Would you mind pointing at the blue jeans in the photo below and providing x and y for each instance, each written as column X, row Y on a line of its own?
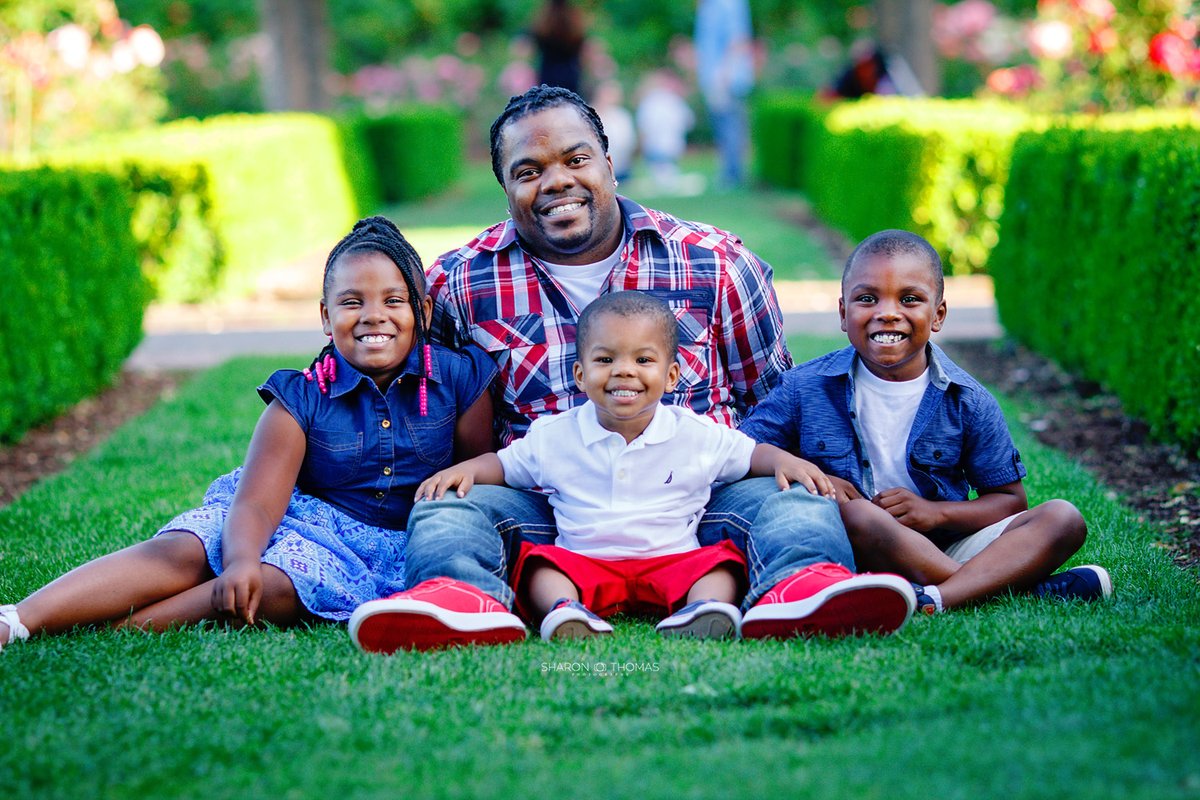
column 475, row 539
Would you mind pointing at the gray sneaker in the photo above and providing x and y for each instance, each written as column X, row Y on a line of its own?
column 703, row 619
column 571, row 619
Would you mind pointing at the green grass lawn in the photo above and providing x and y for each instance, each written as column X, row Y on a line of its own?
column 1016, row 699
column 761, row 217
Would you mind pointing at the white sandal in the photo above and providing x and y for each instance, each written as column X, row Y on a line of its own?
column 16, row 631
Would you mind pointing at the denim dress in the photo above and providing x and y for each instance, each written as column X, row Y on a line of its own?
column 341, row 540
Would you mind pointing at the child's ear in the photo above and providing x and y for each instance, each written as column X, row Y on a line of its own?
column 672, row 376
column 577, row 370
column 326, row 325
column 842, row 312
column 939, row 317
column 427, row 309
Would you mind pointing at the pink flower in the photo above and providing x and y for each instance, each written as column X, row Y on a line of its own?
column 1014, row 80
column 147, row 45
column 516, row 77
column 1171, row 53
column 1101, row 9
column 1102, row 40
column 447, row 68
column 1050, row 39
column 72, row 43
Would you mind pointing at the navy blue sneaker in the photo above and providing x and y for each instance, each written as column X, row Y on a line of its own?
column 571, row 619
column 925, row 604
column 1084, row 583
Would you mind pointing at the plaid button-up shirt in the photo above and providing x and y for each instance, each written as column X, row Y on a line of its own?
column 732, row 349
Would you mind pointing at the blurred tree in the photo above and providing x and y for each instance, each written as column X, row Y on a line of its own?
column 296, row 65
column 904, row 28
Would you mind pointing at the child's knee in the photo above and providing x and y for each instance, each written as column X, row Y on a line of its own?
column 177, row 548
column 858, row 517
column 1064, row 522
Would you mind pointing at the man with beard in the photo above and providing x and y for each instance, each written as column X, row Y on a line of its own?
column 517, row 291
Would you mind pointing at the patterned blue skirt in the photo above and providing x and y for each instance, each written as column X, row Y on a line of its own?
column 335, row 562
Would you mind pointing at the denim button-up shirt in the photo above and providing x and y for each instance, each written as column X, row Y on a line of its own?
column 959, row 439
column 368, row 450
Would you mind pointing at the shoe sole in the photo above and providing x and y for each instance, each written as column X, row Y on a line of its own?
column 576, row 629
column 858, row 605
column 385, row 626
column 707, row 625
column 1105, row 581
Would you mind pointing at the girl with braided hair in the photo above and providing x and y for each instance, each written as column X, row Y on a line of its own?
column 312, row 524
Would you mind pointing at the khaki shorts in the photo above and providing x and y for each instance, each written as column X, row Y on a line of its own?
column 968, row 547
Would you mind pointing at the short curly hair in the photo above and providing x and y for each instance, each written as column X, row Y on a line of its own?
column 540, row 98
column 892, row 243
column 627, row 304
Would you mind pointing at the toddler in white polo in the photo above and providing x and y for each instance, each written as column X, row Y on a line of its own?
column 628, row 479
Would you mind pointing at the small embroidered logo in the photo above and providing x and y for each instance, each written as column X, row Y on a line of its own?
column 670, row 475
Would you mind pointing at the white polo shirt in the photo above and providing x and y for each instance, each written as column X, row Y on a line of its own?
column 636, row 500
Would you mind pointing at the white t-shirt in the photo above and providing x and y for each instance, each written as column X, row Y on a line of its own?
column 582, row 283
column 616, row 500
column 886, row 410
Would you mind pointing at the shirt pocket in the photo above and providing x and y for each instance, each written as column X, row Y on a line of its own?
column 939, row 459
column 433, row 441
column 518, row 346
column 693, row 318
column 832, row 451
column 936, row 454
column 333, row 458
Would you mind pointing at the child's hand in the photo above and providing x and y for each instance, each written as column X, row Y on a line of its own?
column 435, row 486
column 238, row 590
column 909, row 509
column 846, row 491
column 796, row 470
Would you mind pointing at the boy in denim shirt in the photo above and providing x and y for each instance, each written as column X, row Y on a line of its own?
column 909, row 434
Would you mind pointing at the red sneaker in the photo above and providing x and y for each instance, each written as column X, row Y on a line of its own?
column 830, row 600
column 440, row 612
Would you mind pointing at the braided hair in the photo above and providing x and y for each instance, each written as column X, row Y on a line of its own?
column 379, row 235
column 540, row 98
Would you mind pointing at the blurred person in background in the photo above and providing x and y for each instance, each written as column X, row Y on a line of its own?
column 663, row 121
column 560, row 30
column 725, row 71
column 619, row 125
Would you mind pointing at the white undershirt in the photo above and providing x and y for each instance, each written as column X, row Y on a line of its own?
column 582, row 282
column 886, row 410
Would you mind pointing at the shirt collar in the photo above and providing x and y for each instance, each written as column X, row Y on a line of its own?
column 942, row 371
column 348, row 378
column 661, row 428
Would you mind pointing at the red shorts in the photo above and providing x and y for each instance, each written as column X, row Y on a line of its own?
column 654, row 586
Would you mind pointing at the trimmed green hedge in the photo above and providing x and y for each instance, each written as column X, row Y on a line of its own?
column 267, row 189
column 220, row 201
column 74, row 295
column 417, row 151
column 782, row 126
column 1099, row 255
column 936, row 167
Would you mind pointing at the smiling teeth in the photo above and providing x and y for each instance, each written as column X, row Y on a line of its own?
column 624, row 393
column 568, row 208
column 376, row 338
column 887, row 338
